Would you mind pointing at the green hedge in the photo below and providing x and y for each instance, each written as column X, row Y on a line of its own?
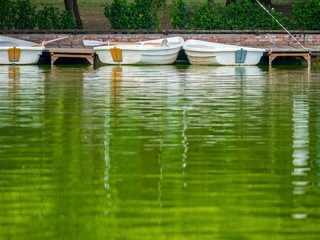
column 17, row 15
column 144, row 14
column 306, row 15
column 21, row 14
column 50, row 17
column 239, row 15
column 139, row 14
column 249, row 15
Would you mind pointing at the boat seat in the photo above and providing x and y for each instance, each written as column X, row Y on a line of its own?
column 14, row 54
column 241, row 56
column 116, row 54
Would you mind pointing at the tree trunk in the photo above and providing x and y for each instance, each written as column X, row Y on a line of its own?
column 72, row 5
column 210, row 3
column 264, row 2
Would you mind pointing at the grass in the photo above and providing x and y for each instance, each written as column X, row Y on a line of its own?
column 91, row 11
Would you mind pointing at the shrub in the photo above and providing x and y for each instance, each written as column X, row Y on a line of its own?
column 207, row 18
column 20, row 14
column 136, row 15
column 5, row 8
column 142, row 15
column 306, row 15
column 181, row 16
column 66, row 20
column 47, row 17
column 50, row 17
column 23, row 14
column 17, row 14
column 118, row 14
column 238, row 15
column 249, row 15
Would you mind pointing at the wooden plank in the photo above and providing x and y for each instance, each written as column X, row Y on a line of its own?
column 290, row 54
column 71, row 50
column 71, row 55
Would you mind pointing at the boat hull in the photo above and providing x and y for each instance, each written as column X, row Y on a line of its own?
column 140, row 57
column 143, row 54
column 28, row 55
column 222, row 58
column 205, row 53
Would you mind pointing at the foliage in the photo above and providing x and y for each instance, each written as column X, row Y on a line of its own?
column 160, row 3
column 136, row 15
column 4, row 17
column 24, row 14
column 181, row 15
column 249, row 15
column 21, row 14
column 144, row 14
column 18, row 14
column 117, row 13
column 66, row 20
column 50, row 17
column 207, row 18
column 238, row 15
column 306, row 15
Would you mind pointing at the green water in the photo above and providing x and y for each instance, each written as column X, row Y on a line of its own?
column 159, row 152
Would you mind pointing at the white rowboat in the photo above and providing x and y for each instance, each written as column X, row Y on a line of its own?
column 154, row 52
column 15, row 51
column 209, row 53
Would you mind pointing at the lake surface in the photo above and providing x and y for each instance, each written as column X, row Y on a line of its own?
column 159, row 152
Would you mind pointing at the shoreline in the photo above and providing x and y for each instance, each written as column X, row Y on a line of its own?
column 273, row 40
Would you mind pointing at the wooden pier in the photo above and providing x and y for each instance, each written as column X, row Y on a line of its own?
column 290, row 51
column 274, row 55
column 56, row 53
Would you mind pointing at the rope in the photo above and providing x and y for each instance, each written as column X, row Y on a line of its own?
column 280, row 24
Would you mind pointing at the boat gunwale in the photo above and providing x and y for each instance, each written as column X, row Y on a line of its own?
column 161, row 48
column 176, row 42
column 194, row 45
column 222, row 50
column 41, row 48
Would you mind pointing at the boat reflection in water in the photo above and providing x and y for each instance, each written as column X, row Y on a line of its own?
column 174, row 134
column 21, row 81
column 159, row 152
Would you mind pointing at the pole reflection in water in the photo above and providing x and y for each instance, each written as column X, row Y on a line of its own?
column 300, row 147
column 113, row 86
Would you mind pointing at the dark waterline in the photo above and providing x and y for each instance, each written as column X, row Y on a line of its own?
column 159, row 152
